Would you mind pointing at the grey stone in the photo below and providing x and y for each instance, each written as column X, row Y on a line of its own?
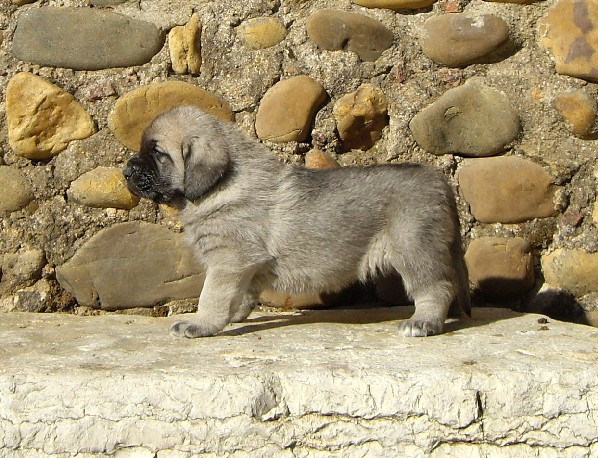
column 336, row 383
column 21, row 269
column 133, row 264
column 470, row 120
column 16, row 190
column 84, row 38
column 340, row 30
column 36, row 298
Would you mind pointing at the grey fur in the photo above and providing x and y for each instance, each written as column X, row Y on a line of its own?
column 257, row 223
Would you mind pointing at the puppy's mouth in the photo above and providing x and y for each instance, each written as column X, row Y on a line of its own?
column 144, row 183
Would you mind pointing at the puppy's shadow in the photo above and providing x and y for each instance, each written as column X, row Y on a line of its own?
column 362, row 314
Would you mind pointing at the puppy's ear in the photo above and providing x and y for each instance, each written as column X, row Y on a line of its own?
column 206, row 162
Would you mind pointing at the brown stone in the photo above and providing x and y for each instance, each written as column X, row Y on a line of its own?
column 102, row 187
column 568, row 31
column 136, row 109
column 43, row 118
column 291, row 301
column 316, row 159
column 574, row 270
column 500, row 267
column 395, row 4
column 261, row 33
column 287, row 110
column 184, row 43
column 457, row 40
column 521, row 2
column 579, row 111
column 335, row 30
column 360, row 117
column 506, row 189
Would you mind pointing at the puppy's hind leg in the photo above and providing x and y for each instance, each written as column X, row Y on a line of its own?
column 429, row 282
column 222, row 291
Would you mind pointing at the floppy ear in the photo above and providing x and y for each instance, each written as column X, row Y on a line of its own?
column 206, row 162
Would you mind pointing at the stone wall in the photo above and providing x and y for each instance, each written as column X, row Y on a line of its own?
column 501, row 96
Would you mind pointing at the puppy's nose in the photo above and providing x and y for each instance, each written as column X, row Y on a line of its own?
column 128, row 171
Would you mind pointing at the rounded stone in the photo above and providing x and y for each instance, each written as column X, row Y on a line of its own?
column 102, row 187
column 579, row 111
column 134, row 264
column 506, row 189
column 500, row 267
column 86, row 38
column 184, row 43
column 136, row 109
column 261, row 33
column 335, row 30
column 457, row 40
column 43, row 118
column 568, row 31
column 395, row 4
column 574, row 270
column 316, row 159
column 360, row 117
column 291, row 301
column 470, row 120
column 287, row 110
column 16, row 190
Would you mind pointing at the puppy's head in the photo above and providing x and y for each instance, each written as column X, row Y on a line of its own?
column 184, row 154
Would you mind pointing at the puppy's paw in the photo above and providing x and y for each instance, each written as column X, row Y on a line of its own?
column 420, row 328
column 192, row 330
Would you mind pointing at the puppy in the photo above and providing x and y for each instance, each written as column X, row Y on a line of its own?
column 256, row 223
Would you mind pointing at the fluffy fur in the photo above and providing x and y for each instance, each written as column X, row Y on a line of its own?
column 256, row 223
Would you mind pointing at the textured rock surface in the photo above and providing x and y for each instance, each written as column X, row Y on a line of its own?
column 288, row 108
column 43, row 118
column 500, row 267
column 184, row 43
column 470, row 120
column 102, row 187
column 457, row 40
column 335, row 30
column 129, row 265
column 568, row 31
column 260, row 33
column 360, row 117
column 16, row 190
column 87, row 39
column 21, row 269
column 134, row 111
column 325, row 383
column 506, row 189
column 572, row 270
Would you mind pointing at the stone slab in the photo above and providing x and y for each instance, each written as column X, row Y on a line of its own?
column 321, row 383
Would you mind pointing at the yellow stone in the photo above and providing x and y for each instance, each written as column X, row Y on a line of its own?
column 102, row 187
column 184, row 43
column 260, row 33
column 568, row 31
column 578, row 110
column 136, row 109
column 43, row 118
column 360, row 116
column 574, row 270
column 395, row 4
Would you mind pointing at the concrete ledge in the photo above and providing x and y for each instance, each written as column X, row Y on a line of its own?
column 323, row 384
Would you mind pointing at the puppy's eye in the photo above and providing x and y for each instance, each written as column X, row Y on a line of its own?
column 160, row 155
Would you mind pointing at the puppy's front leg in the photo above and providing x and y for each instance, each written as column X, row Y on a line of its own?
column 221, row 293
